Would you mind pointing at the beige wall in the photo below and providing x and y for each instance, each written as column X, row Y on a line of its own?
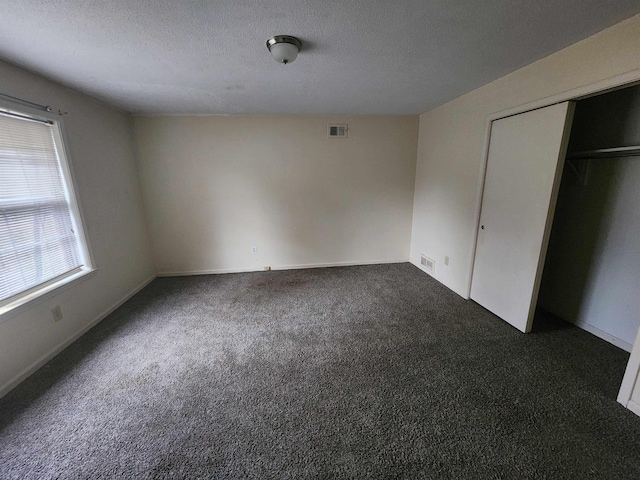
column 451, row 142
column 216, row 186
column 100, row 148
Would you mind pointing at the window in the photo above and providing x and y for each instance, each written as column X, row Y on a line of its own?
column 42, row 244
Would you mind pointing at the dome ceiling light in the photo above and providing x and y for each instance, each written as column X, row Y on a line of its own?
column 284, row 48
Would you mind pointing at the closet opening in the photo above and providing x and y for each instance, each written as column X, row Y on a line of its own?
column 591, row 275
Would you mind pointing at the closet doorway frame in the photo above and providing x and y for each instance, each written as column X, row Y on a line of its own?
column 617, row 82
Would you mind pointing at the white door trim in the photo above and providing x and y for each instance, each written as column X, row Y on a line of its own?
column 630, row 378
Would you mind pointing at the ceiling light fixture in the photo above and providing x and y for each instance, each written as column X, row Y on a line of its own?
column 284, row 48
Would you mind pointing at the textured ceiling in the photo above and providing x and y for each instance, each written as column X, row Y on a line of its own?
column 358, row 57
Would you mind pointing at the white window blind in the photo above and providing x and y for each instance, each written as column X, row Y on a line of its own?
column 37, row 238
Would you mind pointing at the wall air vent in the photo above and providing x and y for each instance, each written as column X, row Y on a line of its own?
column 428, row 263
column 337, row 131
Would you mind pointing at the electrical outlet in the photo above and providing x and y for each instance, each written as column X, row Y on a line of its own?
column 254, row 250
column 446, row 260
column 56, row 313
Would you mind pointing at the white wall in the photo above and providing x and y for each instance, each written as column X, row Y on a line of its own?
column 592, row 273
column 451, row 142
column 101, row 151
column 215, row 186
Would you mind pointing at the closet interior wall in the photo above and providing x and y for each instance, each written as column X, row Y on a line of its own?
column 592, row 270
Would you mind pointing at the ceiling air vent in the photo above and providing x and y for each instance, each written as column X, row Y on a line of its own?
column 337, row 131
column 428, row 263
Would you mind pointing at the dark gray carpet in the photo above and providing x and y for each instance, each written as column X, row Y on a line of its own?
column 358, row 372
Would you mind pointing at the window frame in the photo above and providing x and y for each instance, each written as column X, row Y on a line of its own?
column 16, row 303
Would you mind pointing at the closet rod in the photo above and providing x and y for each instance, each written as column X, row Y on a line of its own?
column 607, row 152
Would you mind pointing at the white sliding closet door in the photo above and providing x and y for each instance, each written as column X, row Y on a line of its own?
column 524, row 167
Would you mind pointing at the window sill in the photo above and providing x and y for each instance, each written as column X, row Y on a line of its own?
column 23, row 303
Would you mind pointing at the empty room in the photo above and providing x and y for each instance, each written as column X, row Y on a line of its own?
column 319, row 239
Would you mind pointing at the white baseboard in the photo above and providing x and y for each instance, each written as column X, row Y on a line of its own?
column 219, row 271
column 587, row 327
column 450, row 287
column 634, row 407
column 278, row 267
column 607, row 337
column 15, row 381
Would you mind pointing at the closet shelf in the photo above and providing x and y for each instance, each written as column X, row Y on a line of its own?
column 607, row 152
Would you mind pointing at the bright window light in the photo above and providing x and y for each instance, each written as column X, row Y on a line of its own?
column 41, row 238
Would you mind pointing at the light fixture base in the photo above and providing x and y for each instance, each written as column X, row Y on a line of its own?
column 284, row 48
